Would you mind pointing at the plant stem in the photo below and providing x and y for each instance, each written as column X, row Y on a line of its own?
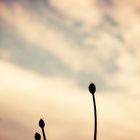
column 95, row 118
column 43, row 134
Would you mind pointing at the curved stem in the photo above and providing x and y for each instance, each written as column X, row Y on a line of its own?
column 95, row 118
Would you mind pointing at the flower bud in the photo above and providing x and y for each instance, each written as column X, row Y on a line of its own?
column 37, row 136
column 92, row 88
column 41, row 123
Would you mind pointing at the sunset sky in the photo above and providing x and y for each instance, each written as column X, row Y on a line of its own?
column 51, row 50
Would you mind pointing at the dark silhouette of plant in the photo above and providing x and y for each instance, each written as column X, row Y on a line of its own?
column 37, row 136
column 42, row 125
column 92, row 90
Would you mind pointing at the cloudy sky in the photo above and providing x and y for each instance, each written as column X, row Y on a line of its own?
column 51, row 50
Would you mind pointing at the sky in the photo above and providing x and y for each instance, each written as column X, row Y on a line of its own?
column 51, row 50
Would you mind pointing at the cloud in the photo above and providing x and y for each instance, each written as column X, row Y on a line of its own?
column 27, row 94
column 34, row 96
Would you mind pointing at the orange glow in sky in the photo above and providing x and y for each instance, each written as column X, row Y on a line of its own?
column 50, row 51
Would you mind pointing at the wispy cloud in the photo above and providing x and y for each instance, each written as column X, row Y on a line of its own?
column 45, row 54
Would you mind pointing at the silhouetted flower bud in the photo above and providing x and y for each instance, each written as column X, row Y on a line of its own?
column 37, row 136
column 41, row 123
column 92, row 88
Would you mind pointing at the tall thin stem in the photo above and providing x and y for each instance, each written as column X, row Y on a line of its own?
column 92, row 90
column 95, row 118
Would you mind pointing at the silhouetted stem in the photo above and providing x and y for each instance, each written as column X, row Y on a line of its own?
column 95, row 118
column 43, row 132
column 42, row 125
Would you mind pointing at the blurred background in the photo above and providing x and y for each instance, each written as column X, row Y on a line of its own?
column 51, row 50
